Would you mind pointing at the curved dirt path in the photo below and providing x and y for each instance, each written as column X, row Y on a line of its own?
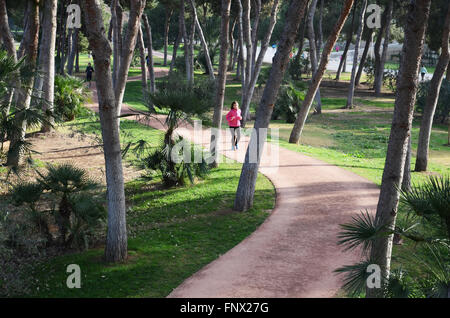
column 294, row 252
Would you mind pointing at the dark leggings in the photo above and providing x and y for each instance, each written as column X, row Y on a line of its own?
column 235, row 135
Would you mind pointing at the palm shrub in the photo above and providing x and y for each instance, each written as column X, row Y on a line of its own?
column 298, row 66
column 181, row 101
column 176, row 165
column 289, row 101
column 425, row 223
column 70, row 95
column 443, row 106
column 429, row 201
column 264, row 77
column 180, row 64
column 64, row 197
column 15, row 76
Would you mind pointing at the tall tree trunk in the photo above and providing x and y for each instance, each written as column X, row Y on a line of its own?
column 241, row 63
column 377, row 46
column 351, row 90
column 73, row 52
column 134, row 22
column 30, row 44
column 151, row 69
column 47, row 53
column 221, row 80
column 115, row 40
column 110, row 28
column 187, row 44
column 109, row 102
column 28, row 13
column 447, row 76
column 169, row 13
column 406, row 181
column 69, row 48
column 141, row 46
column 244, row 16
column 432, row 99
column 59, row 30
column 5, row 32
column 378, row 83
column 315, row 83
column 246, row 188
column 176, row 45
column 202, row 39
column 301, row 39
column 320, row 38
column 8, row 41
column 191, row 50
column 62, row 63
column 416, row 24
column 235, row 55
column 238, row 60
column 232, row 46
column 117, row 17
column 254, row 33
column 313, row 50
column 246, row 28
column 364, row 56
column 347, row 45
column 77, row 59
column 251, row 83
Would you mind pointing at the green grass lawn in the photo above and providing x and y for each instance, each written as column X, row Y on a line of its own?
column 395, row 66
column 134, row 71
column 172, row 232
column 354, row 140
column 345, row 76
column 339, row 103
column 357, row 141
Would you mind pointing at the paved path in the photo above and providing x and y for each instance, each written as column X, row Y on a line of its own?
column 294, row 252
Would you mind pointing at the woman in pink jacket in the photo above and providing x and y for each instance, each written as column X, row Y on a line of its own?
column 234, row 121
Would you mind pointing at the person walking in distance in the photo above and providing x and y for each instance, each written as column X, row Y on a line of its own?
column 423, row 71
column 89, row 71
column 234, row 122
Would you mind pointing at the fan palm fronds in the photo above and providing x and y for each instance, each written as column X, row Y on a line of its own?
column 26, row 193
column 432, row 198
column 70, row 95
column 361, row 231
column 438, row 268
column 355, row 279
column 66, row 178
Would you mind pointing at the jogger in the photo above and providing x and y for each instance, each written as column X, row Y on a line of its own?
column 234, row 122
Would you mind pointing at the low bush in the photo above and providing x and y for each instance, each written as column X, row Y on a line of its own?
column 70, row 96
column 389, row 76
column 289, row 102
column 297, row 66
column 63, row 208
column 176, row 163
column 443, row 105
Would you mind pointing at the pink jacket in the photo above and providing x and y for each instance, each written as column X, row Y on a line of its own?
column 234, row 118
